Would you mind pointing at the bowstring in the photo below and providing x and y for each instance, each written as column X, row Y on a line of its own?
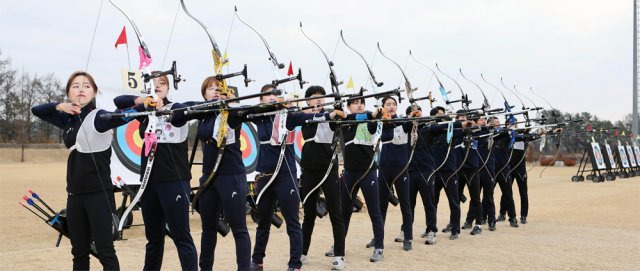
column 114, row 223
column 173, row 159
column 173, row 26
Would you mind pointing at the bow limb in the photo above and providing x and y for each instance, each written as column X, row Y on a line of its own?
column 135, row 29
column 150, row 138
column 513, row 92
column 272, row 56
column 218, row 62
column 464, row 100
column 281, row 117
column 337, row 141
column 443, row 92
column 557, row 138
column 332, row 75
column 508, row 108
column 407, row 85
column 485, row 103
column 214, row 44
column 373, row 77
column 553, row 109
column 525, row 115
column 149, row 88
column 218, row 59
column 526, row 97
column 539, row 96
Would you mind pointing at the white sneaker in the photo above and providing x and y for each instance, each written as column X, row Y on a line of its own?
column 377, row 255
column 400, row 237
column 329, row 252
column 304, row 259
column 431, row 238
column 338, row 263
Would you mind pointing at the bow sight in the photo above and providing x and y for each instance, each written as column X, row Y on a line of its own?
column 277, row 82
column 173, row 72
column 221, row 77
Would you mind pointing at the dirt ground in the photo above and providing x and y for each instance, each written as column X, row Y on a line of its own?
column 572, row 226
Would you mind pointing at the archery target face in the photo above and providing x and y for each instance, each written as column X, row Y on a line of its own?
column 127, row 145
column 632, row 158
column 612, row 162
column 249, row 145
column 636, row 151
column 298, row 143
column 623, row 156
column 597, row 155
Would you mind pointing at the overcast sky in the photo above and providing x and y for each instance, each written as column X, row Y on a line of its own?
column 575, row 53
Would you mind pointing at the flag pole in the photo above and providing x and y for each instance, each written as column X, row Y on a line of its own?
column 128, row 57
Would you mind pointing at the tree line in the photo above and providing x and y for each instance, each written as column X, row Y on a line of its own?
column 20, row 90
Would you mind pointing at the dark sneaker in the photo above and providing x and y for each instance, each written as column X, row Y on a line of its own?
column 513, row 222
column 484, row 221
column 448, row 228
column 406, row 245
column 453, row 236
column 523, row 220
column 492, row 226
column 467, row 225
column 476, row 230
column 370, row 244
column 501, row 218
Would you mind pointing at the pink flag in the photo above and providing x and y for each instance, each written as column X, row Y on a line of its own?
column 144, row 60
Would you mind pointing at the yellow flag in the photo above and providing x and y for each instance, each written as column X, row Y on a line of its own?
column 350, row 84
column 638, row 137
column 622, row 133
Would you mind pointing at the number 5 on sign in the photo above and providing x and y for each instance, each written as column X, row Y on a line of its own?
column 132, row 80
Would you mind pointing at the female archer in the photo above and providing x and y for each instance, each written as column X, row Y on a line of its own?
column 277, row 181
column 165, row 202
column 228, row 183
column 90, row 201
column 360, row 172
column 394, row 156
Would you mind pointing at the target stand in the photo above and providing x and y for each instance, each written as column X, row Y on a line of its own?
column 598, row 172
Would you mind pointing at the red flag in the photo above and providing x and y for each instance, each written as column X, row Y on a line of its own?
column 290, row 71
column 615, row 132
column 589, row 129
column 631, row 136
column 122, row 39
